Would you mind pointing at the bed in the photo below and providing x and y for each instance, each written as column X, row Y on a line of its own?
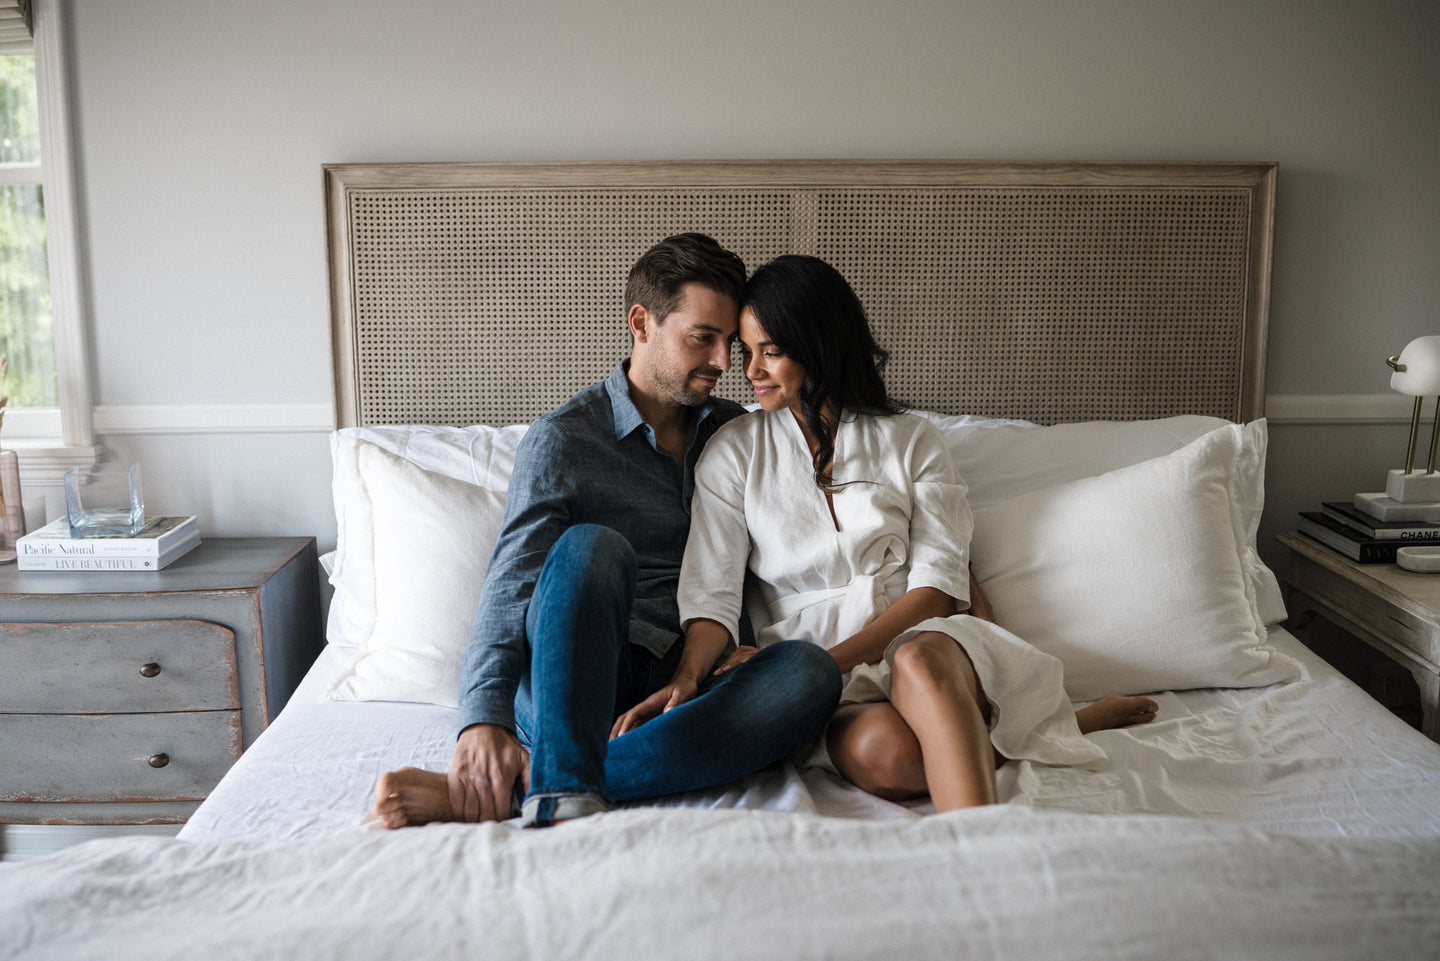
column 1088, row 338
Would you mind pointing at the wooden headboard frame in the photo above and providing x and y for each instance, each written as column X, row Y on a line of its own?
column 488, row 293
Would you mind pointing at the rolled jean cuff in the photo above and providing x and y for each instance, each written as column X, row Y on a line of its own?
column 542, row 810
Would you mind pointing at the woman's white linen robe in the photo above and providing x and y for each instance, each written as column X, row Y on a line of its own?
column 901, row 521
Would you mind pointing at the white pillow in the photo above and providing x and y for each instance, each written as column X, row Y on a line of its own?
column 483, row 456
column 1136, row 579
column 430, row 539
column 1003, row 459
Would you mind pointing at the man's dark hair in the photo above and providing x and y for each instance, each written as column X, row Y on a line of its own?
column 657, row 277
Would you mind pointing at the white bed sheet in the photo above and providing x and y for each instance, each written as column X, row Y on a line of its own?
column 1314, row 757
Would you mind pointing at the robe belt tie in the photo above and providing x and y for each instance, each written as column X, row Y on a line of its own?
column 862, row 599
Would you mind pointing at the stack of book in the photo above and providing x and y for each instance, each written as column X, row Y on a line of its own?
column 1362, row 537
column 159, row 542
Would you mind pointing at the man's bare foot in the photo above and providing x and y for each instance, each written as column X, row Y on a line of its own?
column 1114, row 711
column 412, row 796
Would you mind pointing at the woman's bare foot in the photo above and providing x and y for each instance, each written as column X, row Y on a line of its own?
column 1114, row 711
column 412, row 796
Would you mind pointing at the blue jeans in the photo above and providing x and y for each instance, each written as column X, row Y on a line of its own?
column 584, row 673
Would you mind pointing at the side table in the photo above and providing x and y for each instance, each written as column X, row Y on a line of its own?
column 1394, row 611
column 128, row 695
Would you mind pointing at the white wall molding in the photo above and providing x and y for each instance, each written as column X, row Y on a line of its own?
column 214, row 419
column 1341, row 408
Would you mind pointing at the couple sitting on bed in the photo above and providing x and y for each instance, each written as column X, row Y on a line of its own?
column 596, row 671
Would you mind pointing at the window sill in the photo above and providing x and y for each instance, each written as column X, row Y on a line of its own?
column 44, row 461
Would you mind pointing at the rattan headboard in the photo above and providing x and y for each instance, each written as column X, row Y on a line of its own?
column 489, row 293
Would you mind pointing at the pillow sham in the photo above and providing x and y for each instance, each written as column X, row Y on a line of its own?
column 482, row 456
column 429, row 541
column 1003, row 459
column 1136, row 579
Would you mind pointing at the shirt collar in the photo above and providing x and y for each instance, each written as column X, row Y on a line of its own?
column 627, row 415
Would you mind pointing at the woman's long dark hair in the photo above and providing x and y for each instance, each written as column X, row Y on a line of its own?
column 811, row 313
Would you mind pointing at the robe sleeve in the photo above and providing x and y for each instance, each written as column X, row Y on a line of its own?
column 940, row 519
column 712, row 574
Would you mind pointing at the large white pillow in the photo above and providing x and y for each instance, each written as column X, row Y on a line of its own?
column 429, row 539
column 482, row 456
column 1003, row 459
column 1136, row 579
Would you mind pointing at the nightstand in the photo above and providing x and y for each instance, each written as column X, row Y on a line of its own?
column 127, row 696
column 1394, row 611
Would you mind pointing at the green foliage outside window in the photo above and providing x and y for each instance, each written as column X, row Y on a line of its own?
column 26, row 323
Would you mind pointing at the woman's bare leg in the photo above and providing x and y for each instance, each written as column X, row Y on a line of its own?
column 934, row 688
column 412, row 796
column 873, row 748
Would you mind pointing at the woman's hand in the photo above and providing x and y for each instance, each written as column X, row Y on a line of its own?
column 704, row 640
column 672, row 695
column 738, row 657
column 867, row 645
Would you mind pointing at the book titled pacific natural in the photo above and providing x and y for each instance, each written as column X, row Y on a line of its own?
column 160, row 542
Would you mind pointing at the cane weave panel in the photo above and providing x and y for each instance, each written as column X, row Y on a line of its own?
column 493, row 307
column 1053, row 303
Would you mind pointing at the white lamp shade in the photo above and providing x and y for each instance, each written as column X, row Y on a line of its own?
column 1421, row 374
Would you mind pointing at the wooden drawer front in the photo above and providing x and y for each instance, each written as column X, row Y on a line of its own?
column 93, row 757
column 124, row 666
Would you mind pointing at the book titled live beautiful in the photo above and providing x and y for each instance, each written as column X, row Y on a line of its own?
column 160, row 542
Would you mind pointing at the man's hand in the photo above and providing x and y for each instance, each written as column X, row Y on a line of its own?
column 483, row 769
column 672, row 695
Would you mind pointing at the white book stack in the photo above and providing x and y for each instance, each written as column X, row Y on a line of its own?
column 160, row 542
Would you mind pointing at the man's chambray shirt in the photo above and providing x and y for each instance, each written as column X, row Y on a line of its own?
column 593, row 460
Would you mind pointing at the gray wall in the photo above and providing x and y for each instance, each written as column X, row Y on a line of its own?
column 201, row 128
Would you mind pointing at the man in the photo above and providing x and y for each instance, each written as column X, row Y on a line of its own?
column 577, row 689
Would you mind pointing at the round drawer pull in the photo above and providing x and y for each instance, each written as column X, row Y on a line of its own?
column 150, row 670
column 159, row 760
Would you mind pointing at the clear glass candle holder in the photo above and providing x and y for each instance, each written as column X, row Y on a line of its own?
column 104, row 502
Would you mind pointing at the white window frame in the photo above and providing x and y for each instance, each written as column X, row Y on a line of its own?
column 51, row 440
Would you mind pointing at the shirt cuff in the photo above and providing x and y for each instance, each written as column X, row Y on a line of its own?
column 482, row 707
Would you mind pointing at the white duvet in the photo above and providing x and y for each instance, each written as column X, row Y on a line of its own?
column 1007, row 882
column 1295, row 821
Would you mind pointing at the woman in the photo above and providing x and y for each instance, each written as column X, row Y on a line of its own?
column 852, row 520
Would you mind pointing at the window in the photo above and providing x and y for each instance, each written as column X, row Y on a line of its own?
column 49, row 417
column 27, row 334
